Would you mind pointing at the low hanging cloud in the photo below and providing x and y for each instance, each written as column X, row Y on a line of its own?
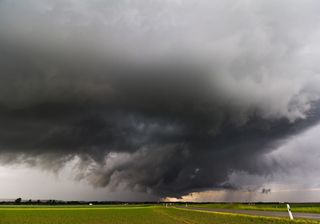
column 166, row 97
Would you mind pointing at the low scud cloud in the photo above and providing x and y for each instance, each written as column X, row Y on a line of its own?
column 164, row 97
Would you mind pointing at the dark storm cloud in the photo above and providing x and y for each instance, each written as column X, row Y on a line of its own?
column 162, row 97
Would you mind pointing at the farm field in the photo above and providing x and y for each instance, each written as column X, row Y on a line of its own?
column 295, row 207
column 122, row 215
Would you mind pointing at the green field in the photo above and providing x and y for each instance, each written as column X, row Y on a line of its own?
column 295, row 207
column 125, row 214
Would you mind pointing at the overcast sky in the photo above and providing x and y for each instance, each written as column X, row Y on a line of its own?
column 149, row 100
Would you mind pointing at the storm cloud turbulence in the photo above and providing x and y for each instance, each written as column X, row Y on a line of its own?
column 165, row 97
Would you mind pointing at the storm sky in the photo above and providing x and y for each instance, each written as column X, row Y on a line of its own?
column 146, row 100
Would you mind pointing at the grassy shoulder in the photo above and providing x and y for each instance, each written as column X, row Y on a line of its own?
column 295, row 207
column 205, row 217
column 141, row 215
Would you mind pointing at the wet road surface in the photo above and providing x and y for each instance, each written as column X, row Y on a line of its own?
column 256, row 213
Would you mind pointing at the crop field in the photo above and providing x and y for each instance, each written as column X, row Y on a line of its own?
column 125, row 214
column 295, row 207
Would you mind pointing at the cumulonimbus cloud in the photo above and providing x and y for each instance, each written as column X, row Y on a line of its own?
column 167, row 97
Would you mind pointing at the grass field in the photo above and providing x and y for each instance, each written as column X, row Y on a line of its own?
column 123, row 214
column 295, row 207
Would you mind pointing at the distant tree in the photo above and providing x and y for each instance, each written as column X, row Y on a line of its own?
column 18, row 201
